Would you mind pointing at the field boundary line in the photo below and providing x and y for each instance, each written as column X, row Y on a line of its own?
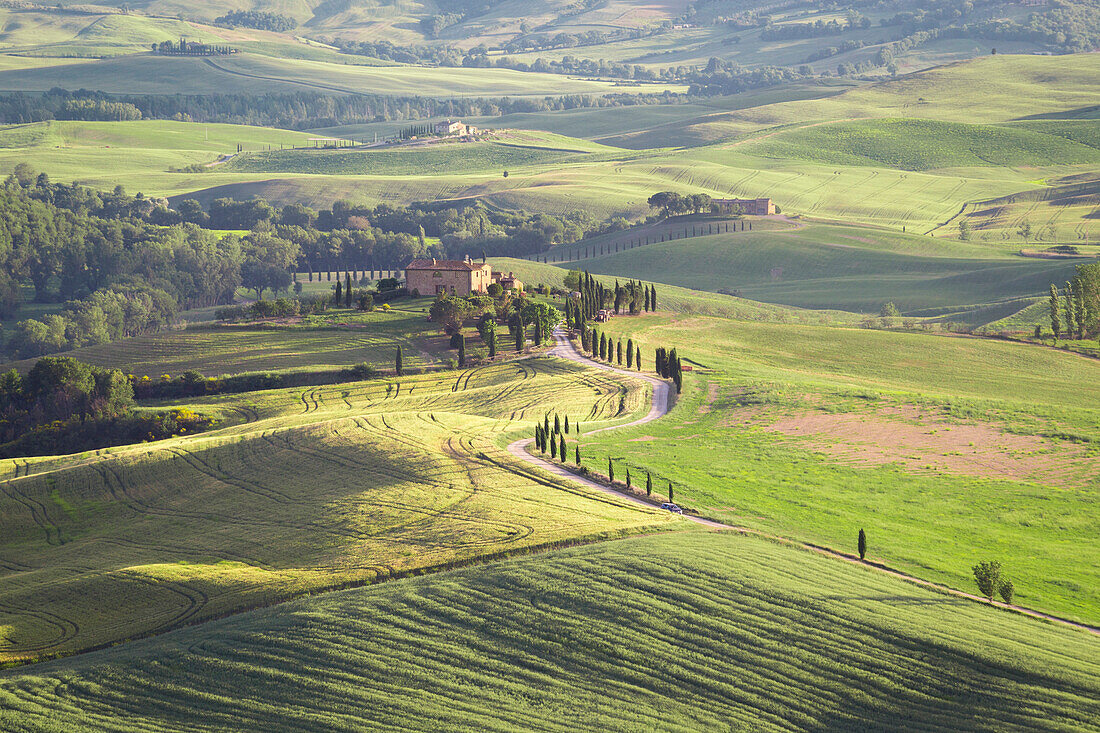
column 659, row 408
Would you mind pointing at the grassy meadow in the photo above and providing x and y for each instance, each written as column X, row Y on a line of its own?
column 682, row 631
column 839, row 267
column 947, row 450
column 294, row 492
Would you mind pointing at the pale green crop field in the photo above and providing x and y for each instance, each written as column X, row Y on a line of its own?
column 691, row 631
column 838, row 267
column 946, row 450
column 295, row 492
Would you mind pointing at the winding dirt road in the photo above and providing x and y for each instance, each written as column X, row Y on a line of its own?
column 659, row 408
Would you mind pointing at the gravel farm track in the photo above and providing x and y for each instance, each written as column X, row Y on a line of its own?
column 659, row 408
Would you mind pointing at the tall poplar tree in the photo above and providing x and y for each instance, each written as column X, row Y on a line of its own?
column 1055, row 315
column 561, row 450
column 399, row 367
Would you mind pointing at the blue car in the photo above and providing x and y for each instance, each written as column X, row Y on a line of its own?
column 672, row 508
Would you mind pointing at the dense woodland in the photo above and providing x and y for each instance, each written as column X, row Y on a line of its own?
column 124, row 265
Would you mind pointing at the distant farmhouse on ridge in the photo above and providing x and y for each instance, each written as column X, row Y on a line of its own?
column 454, row 127
column 455, row 277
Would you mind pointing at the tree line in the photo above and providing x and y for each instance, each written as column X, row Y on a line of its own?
column 308, row 110
column 63, row 406
column 258, row 19
column 1074, row 311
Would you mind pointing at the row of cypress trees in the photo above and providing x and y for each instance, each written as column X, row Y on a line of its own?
column 634, row 295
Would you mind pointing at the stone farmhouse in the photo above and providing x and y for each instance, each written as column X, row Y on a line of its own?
column 455, row 277
column 454, row 127
column 752, row 207
column 447, row 277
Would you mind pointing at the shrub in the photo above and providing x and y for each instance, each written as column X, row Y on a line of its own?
column 987, row 574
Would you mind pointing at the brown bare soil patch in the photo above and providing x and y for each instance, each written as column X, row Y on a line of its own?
column 712, row 395
column 642, row 439
column 919, row 441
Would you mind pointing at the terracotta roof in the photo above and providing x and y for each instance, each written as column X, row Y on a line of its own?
column 444, row 265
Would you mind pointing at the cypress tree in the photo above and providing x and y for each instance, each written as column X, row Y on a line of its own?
column 461, row 350
column 1079, row 306
column 538, row 332
column 610, row 470
column 538, row 436
column 339, row 293
column 653, row 297
column 557, row 424
column 520, row 338
column 638, row 358
column 603, row 347
column 553, row 447
column 619, row 352
column 399, row 368
column 561, row 450
column 669, row 492
column 629, row 353
column 628, row 477
column 491, row 335
column 862, row 543
column 546, row 426
column 1071, row 317
column 648, row 484
column 1055, row 317
column 577, row 455
column 347, row 292
column 566, row 424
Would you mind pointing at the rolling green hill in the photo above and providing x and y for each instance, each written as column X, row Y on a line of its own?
column 294, row 492
column 838, row 267
column 682, row 632
column 947, row 450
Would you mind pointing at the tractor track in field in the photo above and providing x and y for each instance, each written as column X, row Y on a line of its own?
column 659, row 408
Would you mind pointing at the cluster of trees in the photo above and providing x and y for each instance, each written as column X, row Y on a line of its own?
column 553, row 440
column 634, row 295
column 63, row 405
column 991, row 581
column 308, row 110
column 817, row 29
column 667, row 364
column 670, row 203
column 520, row 313
column 1075, row 312
column 98, row 110
column 190, row 48
column 606, row 349
column 258, row 19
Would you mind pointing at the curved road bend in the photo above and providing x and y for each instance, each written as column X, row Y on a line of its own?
column 566, row 350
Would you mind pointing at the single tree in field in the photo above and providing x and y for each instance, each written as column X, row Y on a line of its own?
column 648, row 484
column 461, row 350
column 862, row 544
column 988, row 576
column 1006, row 591
column 561, row 449
column 628, row 477
column 1055, row 313
column 670, row 492
column 610, row 470
column 1024, row 230
column 577, row 457
column 399, row 367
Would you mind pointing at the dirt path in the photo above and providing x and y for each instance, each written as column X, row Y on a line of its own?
column 659, row 408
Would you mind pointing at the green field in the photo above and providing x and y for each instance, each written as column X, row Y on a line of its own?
column 839, row 267
column 946, row 450
column 680, row 632
column 410, row 161
column 918, row 145
column 294, row 492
